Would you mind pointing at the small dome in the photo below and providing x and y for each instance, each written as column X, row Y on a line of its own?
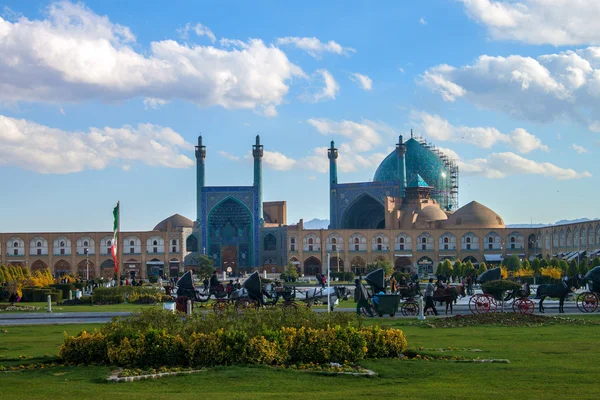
column 475, row 215
column 173, row 222
column 431, row 213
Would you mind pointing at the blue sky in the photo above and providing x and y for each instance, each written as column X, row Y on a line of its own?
column 103, row 100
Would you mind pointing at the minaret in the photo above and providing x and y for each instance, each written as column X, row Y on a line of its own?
column 401, row 152
column 200, row 156
column 332, row 154
column 257, row 153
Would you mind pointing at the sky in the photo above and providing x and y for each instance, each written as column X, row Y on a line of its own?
column 103, row 101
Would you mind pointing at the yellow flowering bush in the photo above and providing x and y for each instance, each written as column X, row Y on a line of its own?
column 552, row 272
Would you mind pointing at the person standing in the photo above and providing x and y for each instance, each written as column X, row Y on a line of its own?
column 429, row 297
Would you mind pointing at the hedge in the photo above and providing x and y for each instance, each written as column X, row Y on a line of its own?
column 155, row 337
column 342, row 276
column 156, row 348
column 65, row 288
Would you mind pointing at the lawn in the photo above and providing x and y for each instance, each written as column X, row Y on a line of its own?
column 125, row 307
column 544, row 363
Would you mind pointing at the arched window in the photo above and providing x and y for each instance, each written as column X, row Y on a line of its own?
column 468, row 240
column 62, row 244
column 39, row 244
column 490, row 240
column 191, row 243
column 356, row 240
column 293, row 240
column 174, row 242
column 132, row 243
column 270, row 243
column 15, row 244
column 310, row 241
column 86, row 243
column 109, row 243
column 446, row 240
column 513, row 239
column 423, row 240
column 154, row 243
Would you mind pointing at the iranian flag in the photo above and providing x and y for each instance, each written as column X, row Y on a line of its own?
column 115, row 241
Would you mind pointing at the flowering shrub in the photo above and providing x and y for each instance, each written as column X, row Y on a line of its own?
column 140, row 344
column 552, row 272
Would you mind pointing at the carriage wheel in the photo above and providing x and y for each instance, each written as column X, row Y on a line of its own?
column 482, row 304
column 523, row 306
column 409, row 309
column 368, row 311
column 587, row 302
column 289, row 306
column 220, row 307
column 181, row 304
column 245, row 304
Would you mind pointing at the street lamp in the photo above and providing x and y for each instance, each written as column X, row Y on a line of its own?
column 87, row 265
column 328, row 283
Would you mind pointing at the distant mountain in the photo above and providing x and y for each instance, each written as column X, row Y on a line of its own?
column 316, row 223
column 526, row 225
column 571, row 221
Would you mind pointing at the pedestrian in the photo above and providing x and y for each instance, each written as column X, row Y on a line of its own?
column 237, row 284
column 323, row 280
column 361, row 298
column 429, row 297
column 393, row 284
column 229, row 288
column 160, row 281
column 214, row 280
column 205, row 283
column 470, row 285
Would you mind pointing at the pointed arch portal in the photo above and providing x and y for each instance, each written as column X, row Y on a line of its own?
column 230, row 235
column 364, row 213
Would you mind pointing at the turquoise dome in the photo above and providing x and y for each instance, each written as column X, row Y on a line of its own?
column 419, row 161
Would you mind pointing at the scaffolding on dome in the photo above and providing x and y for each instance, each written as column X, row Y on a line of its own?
column 449, row 193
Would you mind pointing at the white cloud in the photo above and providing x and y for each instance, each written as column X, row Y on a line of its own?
column 363, row 137
column 555, row 22
column 401, row 69
column 278, row 161
column 422, row 21
column 312, row 178
column 440, row 129
column 153, row 103
column 579, row 149
column 363, row 81
column 323, row 87
column 75, row 54
column 229, row 156
column 199, row 30
column 502, row 165
column 348, row 160
column 314, row 46
column 39, row 148
column 552, row 86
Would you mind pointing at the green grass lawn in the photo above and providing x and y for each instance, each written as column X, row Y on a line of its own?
column 545, row 363
column 85, row 308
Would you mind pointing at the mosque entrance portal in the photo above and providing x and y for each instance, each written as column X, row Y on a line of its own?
column 364, row 213
column 229, row 258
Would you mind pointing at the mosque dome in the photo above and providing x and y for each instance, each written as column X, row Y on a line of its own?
column 473, row 216
column 173, row 222
column 420, row 160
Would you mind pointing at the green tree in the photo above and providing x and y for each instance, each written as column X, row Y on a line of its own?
column 205, row 266
column 526, row 265
column 439, row 271
column 290, row 274
column 583, row 267
column 573, row 268
column 513, row 263
column 554, row 262
column 596, row 262
column 447, row 268
column 388, row 267
column 544, row 263
column 563, row 265
column 458, row 266
column 468, row 269
column 536, row 265
column 482, row 267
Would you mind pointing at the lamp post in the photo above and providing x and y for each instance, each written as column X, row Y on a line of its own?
column 328, row 283
column 87, row 265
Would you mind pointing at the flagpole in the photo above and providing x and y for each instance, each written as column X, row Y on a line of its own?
column 119, row 244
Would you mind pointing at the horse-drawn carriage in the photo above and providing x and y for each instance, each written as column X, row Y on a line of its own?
column 254, row 296
column 492, row 298
column 375, row 300
column 185, row 290
column 588, row 301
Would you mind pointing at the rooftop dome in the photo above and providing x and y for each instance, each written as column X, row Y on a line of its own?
column 431, row 213
column 173, row 222
column 475, row 215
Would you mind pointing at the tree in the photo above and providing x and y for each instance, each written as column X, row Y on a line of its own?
column 562, row 264
column 439, row 271
column 583, row 267
column 513, row 263
column 482, row 268
column 573, row 268
column 468, row 269
column 536, row 265
column 544, row 264
column 205, row 266
column 447, row 268
column 596, row 262
column 290, row 274
column 388, row 267
column 526, row 265
column 458, row 266
column 554, row 262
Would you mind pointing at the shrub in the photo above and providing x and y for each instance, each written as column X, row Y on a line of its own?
column 27, row 293
column 65, row 288
column 382, row 343
column 153, row 278
column 108, row 296
column 342, row 276
column 499, row 286
column 86, row 348
column 76, row 302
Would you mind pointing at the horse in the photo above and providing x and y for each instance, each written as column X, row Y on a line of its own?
column 449, row 295
column 560, row 290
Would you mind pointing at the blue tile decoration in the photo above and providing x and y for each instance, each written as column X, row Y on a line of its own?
column 346, row 193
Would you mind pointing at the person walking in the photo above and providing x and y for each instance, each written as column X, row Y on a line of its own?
column 429, row 297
